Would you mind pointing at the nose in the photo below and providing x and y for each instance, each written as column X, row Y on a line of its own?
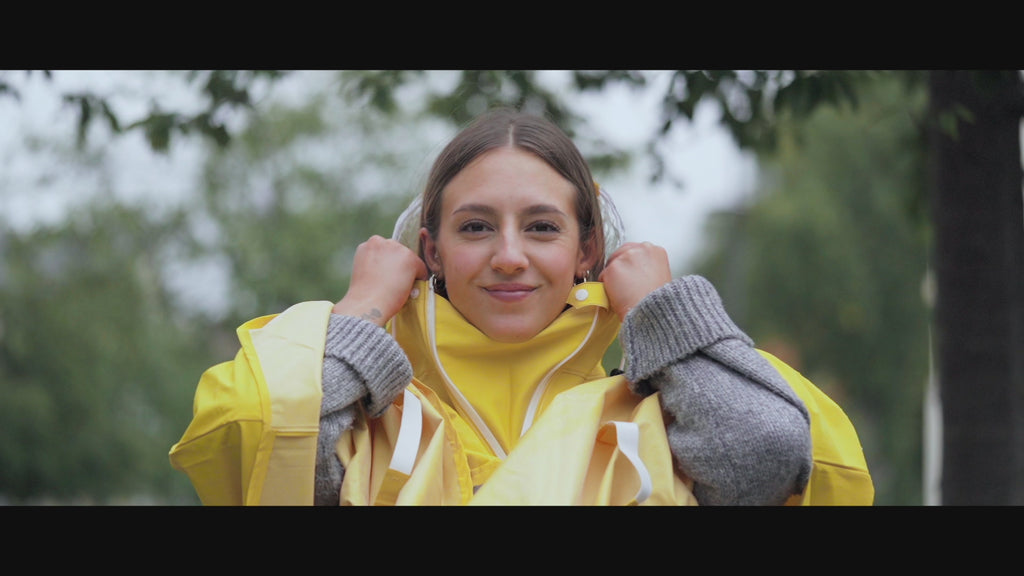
column 509, row 254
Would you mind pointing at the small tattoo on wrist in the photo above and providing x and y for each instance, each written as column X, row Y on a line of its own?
column 372, row 315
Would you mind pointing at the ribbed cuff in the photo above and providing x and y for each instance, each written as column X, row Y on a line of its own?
column 672, row 323
column 329, row 471
column 361, row 347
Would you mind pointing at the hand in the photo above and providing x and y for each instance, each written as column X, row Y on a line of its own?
column 383, row 274
column 633, row 271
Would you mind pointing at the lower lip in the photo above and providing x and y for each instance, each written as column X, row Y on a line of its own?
column 510, row 295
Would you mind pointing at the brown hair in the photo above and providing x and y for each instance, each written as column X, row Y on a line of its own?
column 534, row 134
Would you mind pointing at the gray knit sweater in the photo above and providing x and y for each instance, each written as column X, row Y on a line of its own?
column 735, row 426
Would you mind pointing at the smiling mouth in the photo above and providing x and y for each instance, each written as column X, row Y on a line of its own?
column 509, row 292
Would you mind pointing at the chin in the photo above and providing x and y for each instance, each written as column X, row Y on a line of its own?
column 511, row 335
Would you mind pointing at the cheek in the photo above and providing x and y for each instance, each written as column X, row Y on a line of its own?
column 560, row 264
column 461, row 264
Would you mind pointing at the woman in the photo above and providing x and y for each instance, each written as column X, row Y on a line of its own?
column 491, row 361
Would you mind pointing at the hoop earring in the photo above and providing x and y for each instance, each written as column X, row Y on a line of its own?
column 437, row 285
column 585, row 278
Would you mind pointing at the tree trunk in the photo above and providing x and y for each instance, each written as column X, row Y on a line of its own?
column 978, row 216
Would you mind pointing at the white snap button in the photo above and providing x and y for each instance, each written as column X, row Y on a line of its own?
column 415, row 292
column 582, row 294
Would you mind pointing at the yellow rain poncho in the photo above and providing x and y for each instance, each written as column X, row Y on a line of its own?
column 481, row 423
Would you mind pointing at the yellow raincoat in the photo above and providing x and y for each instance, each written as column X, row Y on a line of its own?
column 546, row 427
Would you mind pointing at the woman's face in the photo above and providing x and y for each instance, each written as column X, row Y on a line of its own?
column 508, row 244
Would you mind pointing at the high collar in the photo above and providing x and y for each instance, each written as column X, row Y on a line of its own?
column 501, row 387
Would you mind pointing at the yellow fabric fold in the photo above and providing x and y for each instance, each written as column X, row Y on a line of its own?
column 252, row 440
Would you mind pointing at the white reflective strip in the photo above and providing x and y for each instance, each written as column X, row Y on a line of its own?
column 408, row 444
column 531, row 410
column 627, row 435
column 467, row 408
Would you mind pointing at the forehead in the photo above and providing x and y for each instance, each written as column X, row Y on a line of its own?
column 509, row 177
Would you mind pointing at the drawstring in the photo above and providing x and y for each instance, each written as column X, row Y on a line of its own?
column 467, row 408
column 531, row 411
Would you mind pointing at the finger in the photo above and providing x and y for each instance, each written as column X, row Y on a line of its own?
column 422, row 273
column 620, row 251
column 625, row 250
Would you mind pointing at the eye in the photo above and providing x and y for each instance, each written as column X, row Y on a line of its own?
column 474, row 227
column 544, row 227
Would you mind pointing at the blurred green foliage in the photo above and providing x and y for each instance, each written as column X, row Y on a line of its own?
column 824, row 266
column 288, row 219
column 99, row 357
column 92, row 360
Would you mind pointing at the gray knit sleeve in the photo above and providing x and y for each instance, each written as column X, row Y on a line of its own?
column 736, row 427
column 362, row 362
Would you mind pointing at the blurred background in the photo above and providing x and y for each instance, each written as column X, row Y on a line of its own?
column 864, row 226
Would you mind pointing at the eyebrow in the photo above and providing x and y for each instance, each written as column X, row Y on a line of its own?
column 529, row 211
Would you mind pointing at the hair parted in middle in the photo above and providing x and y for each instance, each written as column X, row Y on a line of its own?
column 535, row 134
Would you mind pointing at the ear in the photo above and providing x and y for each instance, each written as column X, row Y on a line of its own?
column 430, row 252
column 588, row 257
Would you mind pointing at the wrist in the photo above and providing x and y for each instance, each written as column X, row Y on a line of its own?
column 365, row 310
